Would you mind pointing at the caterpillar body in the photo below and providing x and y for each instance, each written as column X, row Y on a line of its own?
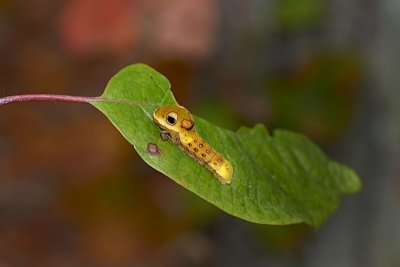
column 178, row 123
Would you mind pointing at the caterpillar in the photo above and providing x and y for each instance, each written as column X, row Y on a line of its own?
column 178, row 124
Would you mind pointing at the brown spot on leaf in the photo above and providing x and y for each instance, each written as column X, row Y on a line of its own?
column 153, row 150
column 164, row 136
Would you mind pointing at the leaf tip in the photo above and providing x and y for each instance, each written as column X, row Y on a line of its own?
column 348, row 181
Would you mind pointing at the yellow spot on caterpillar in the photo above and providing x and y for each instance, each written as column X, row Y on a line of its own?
column 187, row 124
column 179, row 124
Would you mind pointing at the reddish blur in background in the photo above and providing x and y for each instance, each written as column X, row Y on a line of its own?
column 73, row 192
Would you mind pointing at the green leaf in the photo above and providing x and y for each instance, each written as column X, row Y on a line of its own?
column 278, row 179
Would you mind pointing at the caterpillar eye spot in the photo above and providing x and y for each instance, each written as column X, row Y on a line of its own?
column 203, row 155
column 201, row 145
column 190, row 144
column 196, row 150
column 195, row 141
column 172, row 118
column 208, row 151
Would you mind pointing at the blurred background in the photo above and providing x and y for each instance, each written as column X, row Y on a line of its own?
column 73, row 192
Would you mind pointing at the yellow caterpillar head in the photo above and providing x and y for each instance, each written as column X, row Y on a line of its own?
column 174, row 118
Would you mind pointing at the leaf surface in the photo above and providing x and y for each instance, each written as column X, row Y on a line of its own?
column 279, row 178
